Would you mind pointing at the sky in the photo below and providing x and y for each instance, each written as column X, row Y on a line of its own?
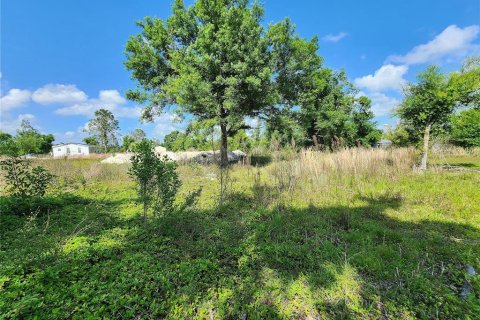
column 62, row 60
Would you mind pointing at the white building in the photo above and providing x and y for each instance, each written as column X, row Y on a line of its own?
column 72, row 149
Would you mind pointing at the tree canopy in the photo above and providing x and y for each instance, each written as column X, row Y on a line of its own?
column 104, row 128
column 429, row 103
column 28, row 140
column 216, row 61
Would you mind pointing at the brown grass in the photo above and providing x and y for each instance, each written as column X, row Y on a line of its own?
column 355, row 161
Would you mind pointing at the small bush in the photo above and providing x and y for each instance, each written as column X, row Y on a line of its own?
column 157, row 179
column 23, row 180
column 167, row 184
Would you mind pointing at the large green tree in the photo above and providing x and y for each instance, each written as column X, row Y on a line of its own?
column 465, row 128
column 431, row 101
column 210, row 59
column 216, row 61
column 366, row 133
column 104, row 127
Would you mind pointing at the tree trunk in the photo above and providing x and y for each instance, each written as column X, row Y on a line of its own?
column 426, row 139
column 145, row 214
column 223, row 145
column 105, row 142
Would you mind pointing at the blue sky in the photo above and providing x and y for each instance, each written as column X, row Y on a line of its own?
column 62, row 60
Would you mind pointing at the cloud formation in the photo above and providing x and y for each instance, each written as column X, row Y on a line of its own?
column 58, row 93
column 107, row 99
column 382, row 104
column 14, row 98
column 451, row 42
column 166, row 123
column 71, row 136
column 11, row 125
column 334, row 37
column 388, row 77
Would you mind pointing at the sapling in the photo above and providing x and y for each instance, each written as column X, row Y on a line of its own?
column 143, row 170
column 167, row 184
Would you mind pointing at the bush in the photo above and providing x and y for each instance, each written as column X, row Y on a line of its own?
column 167, row 184
column 23, row 180
column 157, row 179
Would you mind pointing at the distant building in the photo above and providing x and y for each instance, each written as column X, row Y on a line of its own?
column 384, row 143
column 72, row 149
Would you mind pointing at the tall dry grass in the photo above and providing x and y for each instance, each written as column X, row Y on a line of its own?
column 355, row 161
column 83, row 171
column 321, row 167
column 448, row 149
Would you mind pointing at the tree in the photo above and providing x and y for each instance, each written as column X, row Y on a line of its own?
column 132, row 139
column 326, row 110
column 366, row 133
column 143, row 170
column 8, row 146
column 157, row 179
column 104, row 127
column 138, row 135
column 170, row 140
column 29, row 140
column 212, row 59
column 465, row 128
column 285, row 128
column 91, row 141
column 432, row 100
column 403, row 135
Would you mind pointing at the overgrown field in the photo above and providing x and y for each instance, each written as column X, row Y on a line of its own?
column 354, row 234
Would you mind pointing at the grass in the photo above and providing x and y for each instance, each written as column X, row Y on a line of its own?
column 455, row 157
column 355, row 234
column 461, row 161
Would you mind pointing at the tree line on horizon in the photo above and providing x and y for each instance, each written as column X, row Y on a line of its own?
column 216, row 61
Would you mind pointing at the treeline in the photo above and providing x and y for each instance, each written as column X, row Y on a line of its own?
column 27, row 140
column 332, row 116
column 216, row 61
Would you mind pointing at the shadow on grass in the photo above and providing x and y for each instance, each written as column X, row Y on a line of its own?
column 462, row 164
column 260, row 160
column 246, row 262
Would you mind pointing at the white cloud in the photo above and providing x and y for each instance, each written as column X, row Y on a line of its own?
column 453, row 41
column 166, row 123
column 335, row 37
column 381, row 104
column 107, row 99
column 10, row 125
column 14, row 98
column 71, row 136
column 111, row 96
column 386, row 78
column 58, row 93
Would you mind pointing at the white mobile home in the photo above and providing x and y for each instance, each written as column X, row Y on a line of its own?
column 72, row 149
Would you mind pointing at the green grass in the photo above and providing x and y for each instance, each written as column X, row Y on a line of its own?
column 342, row 247
column 462, row 161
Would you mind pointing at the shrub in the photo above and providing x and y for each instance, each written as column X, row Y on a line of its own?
column 23, row 180
column 157, row 179
column 143, row 169
column 167, row 184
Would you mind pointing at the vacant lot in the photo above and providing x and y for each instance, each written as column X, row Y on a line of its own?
column 356, row 234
